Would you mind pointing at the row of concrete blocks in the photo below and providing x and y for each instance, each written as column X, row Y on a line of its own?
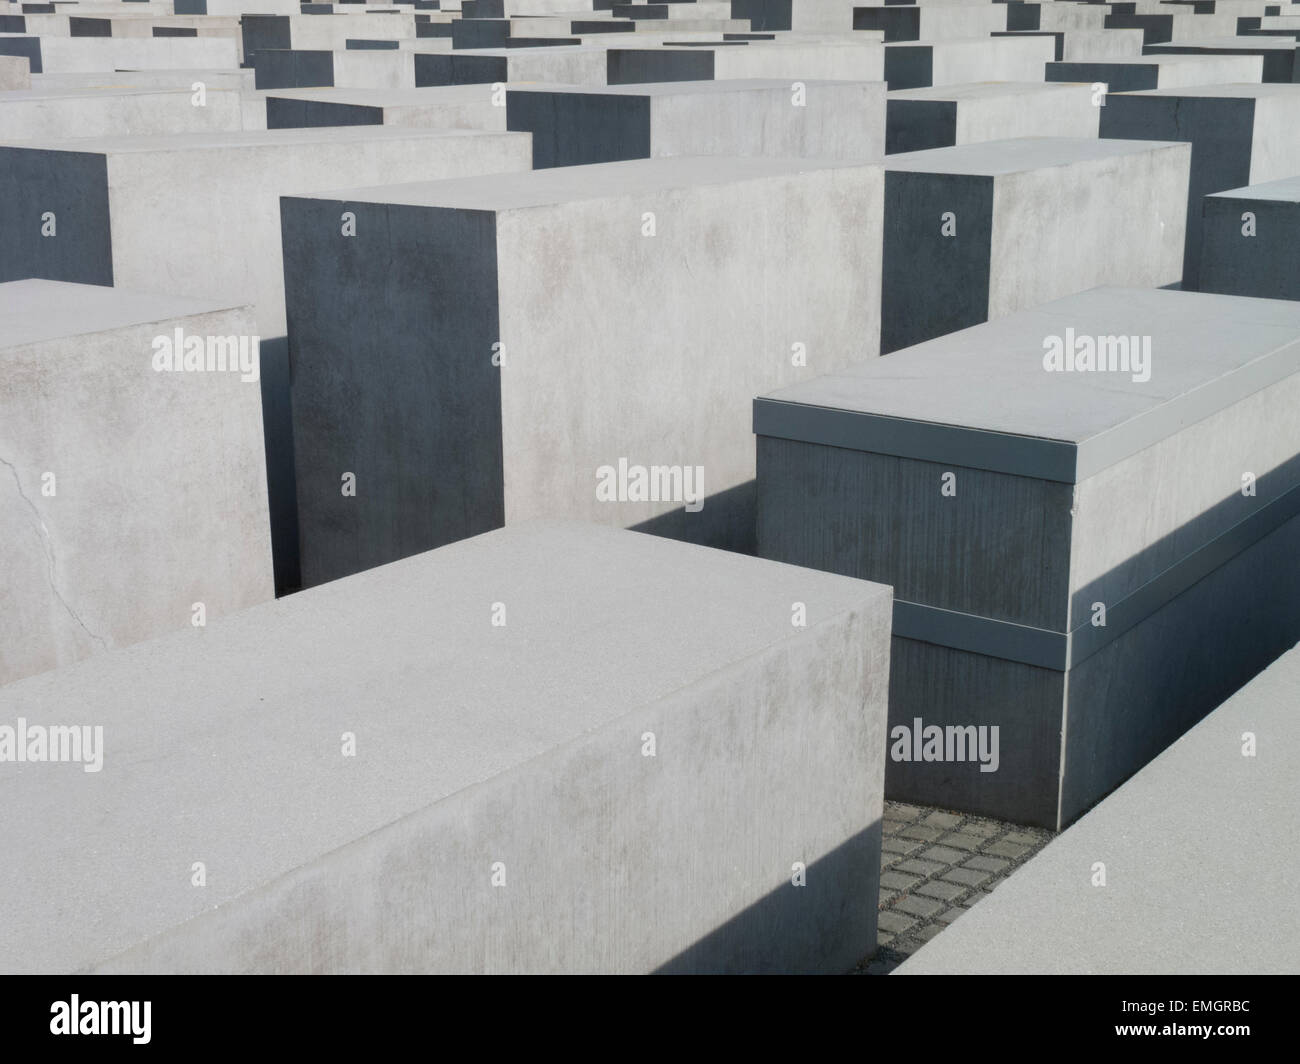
column 1239, row 132
column 722, row 727
column 977, row 224
column 1104, row 531
column 64, row 224
column 854, row 463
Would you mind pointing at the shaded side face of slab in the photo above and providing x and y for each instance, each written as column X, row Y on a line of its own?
column 1221, row 132
column 1177, row 666
column 436, row 69
column 909, row 66
column 935, row 277
column 572, row 129
column 54, row 214
column 634, row 66
column 1023, row 703
column 915, row 125
column 418, row 418
column 1251, row 246
column 284, row 113
column 1194, row 831
column 293, row 69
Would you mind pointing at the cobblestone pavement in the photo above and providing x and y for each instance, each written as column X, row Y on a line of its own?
column 934, row 866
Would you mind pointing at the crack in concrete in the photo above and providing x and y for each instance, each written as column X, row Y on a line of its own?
column 48, row 548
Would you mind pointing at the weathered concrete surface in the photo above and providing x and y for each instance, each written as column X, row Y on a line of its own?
column 1250, row 242
column 92, row 54
column 126, row 495
column 999, row 110
column 43, row 113
column 1200, row 862
column 482, row 751
column 572, row 126
column 544, row 326
column 15, row 72
column 976, row 231
column 1064, row 491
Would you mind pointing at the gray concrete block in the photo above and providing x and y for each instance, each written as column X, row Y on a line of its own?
column 240, row 80
column 93, row 54
column 127, row 494
column 931, row 22
column 499, row 814
column 1240, row 135
column 439, row 107
column 15, row 72
column 823, row 119
column 845, row 60
column 22, row 46
column 132, row 209
column 1006, row 503
column 1250, row 241
column 1278, row 54
column 43, row 113
column 345, row 68
column 526, row 343
column 799, row 16
column 918, row 119
column 1198, row 853
column 1087, row 45
column 977, row 231
column 1161, row 72
column 563, row 64
column 959, row 62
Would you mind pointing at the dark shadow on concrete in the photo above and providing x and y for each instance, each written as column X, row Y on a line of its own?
column 728, row 521
column 825, row 927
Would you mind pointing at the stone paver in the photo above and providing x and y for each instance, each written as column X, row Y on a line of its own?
column 988, row 864
column 943, row 855
column 898, row 881
column 896, row 923
column 969, row 877
column 938, row 888
column 916, row 905
column 935, row 865
column 920, row 868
